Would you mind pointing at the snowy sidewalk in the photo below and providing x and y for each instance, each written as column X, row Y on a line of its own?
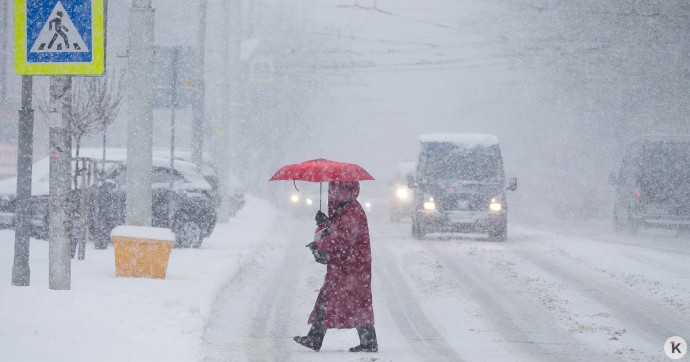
column 104, row 318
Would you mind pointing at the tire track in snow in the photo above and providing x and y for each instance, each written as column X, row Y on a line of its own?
column 526, row 326
column 275, row 308
column 670, row 267
column 234, row 333
column 421, row 335
column 640, row 315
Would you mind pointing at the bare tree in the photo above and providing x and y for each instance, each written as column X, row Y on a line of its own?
column 95, row 104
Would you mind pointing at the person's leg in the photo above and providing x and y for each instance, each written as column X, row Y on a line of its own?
column 367, row 340
column 317, row 332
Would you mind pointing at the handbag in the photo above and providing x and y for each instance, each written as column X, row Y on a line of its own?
column 322, row 222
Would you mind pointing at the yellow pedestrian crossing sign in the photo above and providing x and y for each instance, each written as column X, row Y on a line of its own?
column 59, row 37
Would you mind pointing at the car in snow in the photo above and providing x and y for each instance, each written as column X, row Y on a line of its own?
column 400, row 193
column 235, row 195
column 38, row 206
column 653, row 184
column 459, row 186
column 193, row 215
column 187, row 208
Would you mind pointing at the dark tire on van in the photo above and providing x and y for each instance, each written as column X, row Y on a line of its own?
column 499, row 232
column 618, row 226
column 418, row 230
column 500, row 235
column 633, row 226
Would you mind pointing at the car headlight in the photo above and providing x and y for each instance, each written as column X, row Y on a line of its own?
column 367, row 205
column 294, row 198
column 430, row 204
column 309, row 202
column 402, row 193
column 495, row 204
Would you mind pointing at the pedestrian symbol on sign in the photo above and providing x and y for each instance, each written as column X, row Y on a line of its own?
column 54, row 34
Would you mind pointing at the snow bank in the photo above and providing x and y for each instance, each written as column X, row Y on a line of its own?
column 104, row 318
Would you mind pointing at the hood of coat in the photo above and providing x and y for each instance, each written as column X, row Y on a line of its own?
column 339, row 192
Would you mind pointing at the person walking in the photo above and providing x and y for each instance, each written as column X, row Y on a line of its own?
column 344, row 300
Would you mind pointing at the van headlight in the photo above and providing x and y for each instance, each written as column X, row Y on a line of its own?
column 402, row 193
column 430, row 204
column 495, row 204
column 309, row 202
column 294, row 198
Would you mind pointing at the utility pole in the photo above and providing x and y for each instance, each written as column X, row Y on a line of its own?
column 221, row 132
column 21, row 273
column 60, row 248
column 4, row 18
column 200, row 95
column 173, row 107
column 140, row 107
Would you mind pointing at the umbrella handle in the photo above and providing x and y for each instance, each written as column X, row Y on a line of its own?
column 295, row 183
column 320, row 190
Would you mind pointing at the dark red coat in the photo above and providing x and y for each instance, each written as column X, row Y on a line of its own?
column 347, row 286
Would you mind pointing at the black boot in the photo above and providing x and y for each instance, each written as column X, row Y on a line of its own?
column 367, row 340
column 314, row 339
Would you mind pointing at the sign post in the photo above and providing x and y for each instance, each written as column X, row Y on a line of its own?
column 59, row 38
column 21, row 272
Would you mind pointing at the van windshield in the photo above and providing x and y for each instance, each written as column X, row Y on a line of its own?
column 451, row 163
column 665, row 171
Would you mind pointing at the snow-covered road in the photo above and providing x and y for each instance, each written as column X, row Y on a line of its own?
column 550, row 293
column 572, row 294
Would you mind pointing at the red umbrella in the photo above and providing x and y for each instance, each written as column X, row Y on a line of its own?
column 322, row 170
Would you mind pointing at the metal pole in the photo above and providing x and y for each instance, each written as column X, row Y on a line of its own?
column 21, row 273
column 99, row 176
column 140, row 106
column 221, row 136
column 59, row 250
column 83, row 196
column 173, row 106
column 200, row 94
column 4, row 18
column 65, row 184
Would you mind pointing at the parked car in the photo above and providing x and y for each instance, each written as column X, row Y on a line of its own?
column 236, row 190
column 400, row 194
column 653, row 184
column 459, row 186
column 38, row 204
column 7, row 207
column 188, row 208
column 193, row 215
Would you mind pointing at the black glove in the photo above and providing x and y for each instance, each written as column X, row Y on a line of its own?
column 321, row 218
column 319, row 257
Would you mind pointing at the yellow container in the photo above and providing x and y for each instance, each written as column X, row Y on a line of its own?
column 141, row 254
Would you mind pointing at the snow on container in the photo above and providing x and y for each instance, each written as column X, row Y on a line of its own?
column 142, row 251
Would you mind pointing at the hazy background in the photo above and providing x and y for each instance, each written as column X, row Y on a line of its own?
column 563, row 84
